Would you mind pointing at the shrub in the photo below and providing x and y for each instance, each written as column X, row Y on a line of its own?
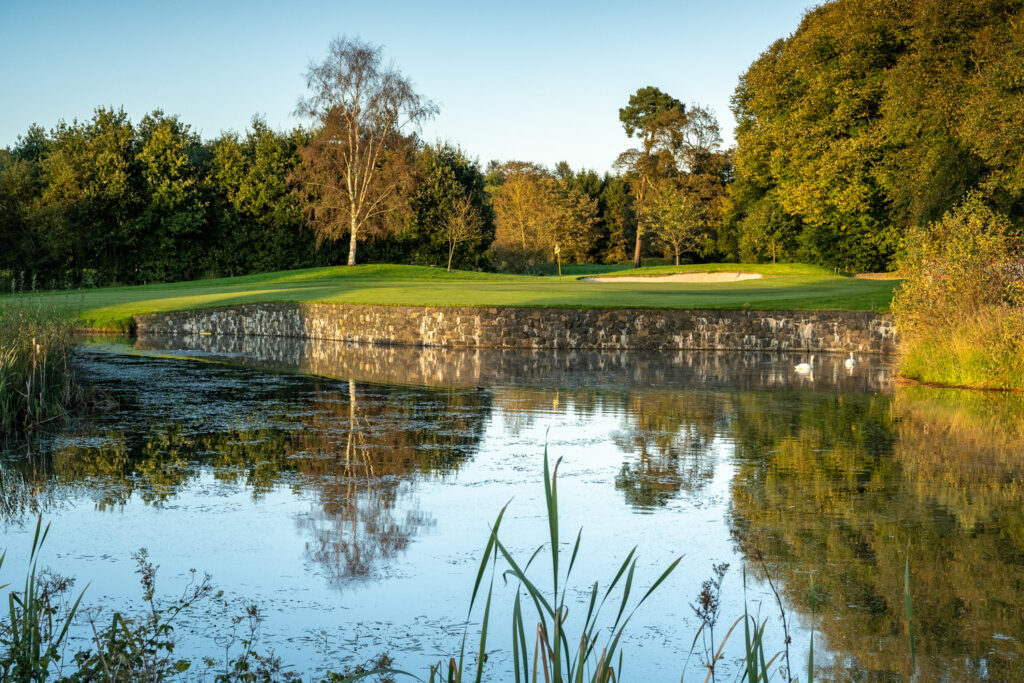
column 960, row 310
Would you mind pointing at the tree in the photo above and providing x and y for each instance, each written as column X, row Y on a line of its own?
column 657, row 119
column 357, row 165
column 170, row 232
column 523, row 211
column 261, row 226
column 573, row 226
column 618, row 217
column 678, row 221
column 875, row 117
column 445, row 176
column 462, row 224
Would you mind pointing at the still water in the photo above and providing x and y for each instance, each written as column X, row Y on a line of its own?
column 348, row 491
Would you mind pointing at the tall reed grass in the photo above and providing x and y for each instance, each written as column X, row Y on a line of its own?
column 36, row 381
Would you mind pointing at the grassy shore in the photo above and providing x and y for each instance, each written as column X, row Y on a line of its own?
column 36, row 383
column 784, row 286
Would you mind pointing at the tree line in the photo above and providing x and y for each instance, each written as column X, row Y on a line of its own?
column 874, row 117
column 107, row 200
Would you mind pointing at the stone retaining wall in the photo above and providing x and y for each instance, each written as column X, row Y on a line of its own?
column 536, row 328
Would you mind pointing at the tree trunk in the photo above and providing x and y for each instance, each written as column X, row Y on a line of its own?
column 636, row 253
column 639, row 222
column 677, row 256
column 451, row 252
column 352, row 243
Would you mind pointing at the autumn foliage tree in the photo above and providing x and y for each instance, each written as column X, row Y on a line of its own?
column 535, row 211
column 357, row 168
column 679, row 222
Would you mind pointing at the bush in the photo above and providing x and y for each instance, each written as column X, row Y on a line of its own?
column 960, row 310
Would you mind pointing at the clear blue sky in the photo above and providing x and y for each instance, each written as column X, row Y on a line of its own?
column 536, row 81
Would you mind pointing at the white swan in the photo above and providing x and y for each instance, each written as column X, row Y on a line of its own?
column 850, row 362
column 805, row 367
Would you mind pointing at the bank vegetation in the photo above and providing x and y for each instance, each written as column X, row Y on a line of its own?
column 36, row 380
column 960, row 310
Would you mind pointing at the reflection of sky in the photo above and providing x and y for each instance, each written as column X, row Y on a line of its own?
column 414, row 601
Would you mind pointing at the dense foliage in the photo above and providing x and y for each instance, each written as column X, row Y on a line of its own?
column 874, row 117
column 106, row 201
column 960, row 310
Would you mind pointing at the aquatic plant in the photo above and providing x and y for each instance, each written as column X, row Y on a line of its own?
column 141, row 647
column 36, row 381
column 34, row 634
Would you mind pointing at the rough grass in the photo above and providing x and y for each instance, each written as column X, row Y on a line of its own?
column 960, row 310
column 981, row 351
column 791, row 286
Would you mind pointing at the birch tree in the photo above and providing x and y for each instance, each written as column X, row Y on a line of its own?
column 357, row 167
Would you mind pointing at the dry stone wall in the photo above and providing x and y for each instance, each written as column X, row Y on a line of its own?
column 537, row 328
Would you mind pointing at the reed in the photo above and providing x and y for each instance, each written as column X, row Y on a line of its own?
column 36, row 381
column 35, row 632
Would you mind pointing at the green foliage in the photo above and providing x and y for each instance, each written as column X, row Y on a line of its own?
column 650, row 111
column 678, row 152
column 678, row 221
column 960, row 310
column 872, row 118
column 446, row 176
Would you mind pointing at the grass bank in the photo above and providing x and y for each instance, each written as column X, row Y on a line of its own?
column 983, row 350
column 36, row 383
column 784, row 287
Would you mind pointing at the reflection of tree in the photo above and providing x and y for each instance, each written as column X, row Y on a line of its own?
column 359, row 520
column 670, row 435
column 355, row 452
column 837, row 489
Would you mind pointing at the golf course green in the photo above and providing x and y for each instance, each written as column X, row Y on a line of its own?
column 781, row 287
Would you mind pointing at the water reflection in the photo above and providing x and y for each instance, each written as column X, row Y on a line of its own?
column 351, row 448
column 854, row 486
column 435, row 366
column 836, row 478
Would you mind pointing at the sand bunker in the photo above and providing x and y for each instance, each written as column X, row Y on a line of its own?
column 681, row 277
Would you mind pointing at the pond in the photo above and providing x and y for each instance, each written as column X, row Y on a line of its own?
column 348, row 491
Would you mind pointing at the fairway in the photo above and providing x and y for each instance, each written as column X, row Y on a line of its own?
column 784, row 287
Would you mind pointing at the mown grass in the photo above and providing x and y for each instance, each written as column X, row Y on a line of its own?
column 36, row 381
column 765, row 269
column 788, row 287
